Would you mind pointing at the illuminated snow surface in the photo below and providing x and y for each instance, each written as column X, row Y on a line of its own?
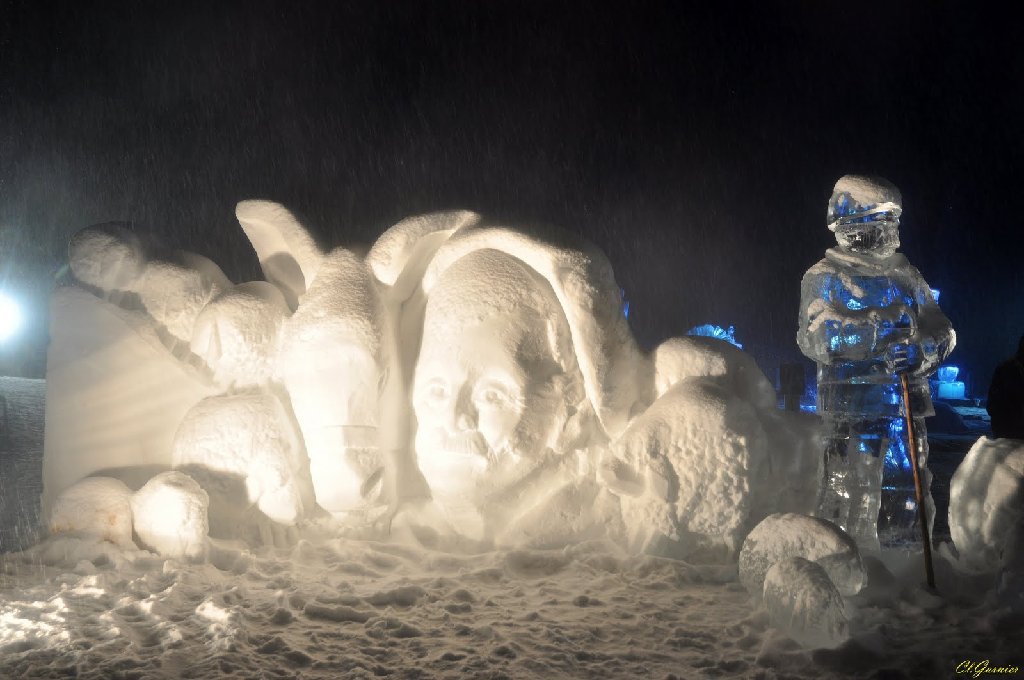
column 337, row 607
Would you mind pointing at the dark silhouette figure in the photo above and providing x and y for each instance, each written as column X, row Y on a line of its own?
column 1006, row 397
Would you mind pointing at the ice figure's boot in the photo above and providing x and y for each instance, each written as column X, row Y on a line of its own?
column 851, row 492
column 899, row 519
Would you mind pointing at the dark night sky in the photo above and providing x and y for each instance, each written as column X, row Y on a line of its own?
column 696, row 143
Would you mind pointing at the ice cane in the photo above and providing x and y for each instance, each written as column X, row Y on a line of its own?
column 918, row 493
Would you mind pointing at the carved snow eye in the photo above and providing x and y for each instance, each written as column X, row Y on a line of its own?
column 436, row 393
column 492, row 395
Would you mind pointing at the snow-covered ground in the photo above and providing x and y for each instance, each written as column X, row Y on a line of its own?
column 339, row 608
column 350, row 607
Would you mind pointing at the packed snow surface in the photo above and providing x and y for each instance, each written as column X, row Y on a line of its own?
column 332, row 607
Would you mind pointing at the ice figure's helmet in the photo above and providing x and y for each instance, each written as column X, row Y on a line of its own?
column 864, row 213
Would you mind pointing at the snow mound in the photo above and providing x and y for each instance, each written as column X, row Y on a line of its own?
column 785, row 535
column 683, row 468
column 96, row 506
column 803, row 602
column 106, row 256
column 692, row 356
column 237, row 334
column 244, row 451
column 986, row 505
column 170, row 514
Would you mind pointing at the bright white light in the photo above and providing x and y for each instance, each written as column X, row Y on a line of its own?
column 10, row 317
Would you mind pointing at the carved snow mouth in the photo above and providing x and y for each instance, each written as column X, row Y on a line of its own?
column 468, row 444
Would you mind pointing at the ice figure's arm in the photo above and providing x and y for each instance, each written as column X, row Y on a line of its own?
column 831, row 329
column 935, row 336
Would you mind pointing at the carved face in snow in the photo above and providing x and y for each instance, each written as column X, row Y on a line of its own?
column 495, row 377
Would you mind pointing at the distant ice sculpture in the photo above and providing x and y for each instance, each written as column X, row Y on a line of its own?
column 711, row 330
column 463, row 381
column 867, row 316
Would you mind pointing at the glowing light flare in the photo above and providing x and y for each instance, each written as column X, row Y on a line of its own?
column 10, row 317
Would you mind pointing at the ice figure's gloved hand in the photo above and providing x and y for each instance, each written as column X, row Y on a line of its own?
column 897, row 358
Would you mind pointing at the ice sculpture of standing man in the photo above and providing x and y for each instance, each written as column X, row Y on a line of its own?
column 866, row 316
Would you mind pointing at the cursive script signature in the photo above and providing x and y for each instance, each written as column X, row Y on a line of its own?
column 977, row 668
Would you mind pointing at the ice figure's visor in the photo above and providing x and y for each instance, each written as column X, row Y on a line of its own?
column 864, row 217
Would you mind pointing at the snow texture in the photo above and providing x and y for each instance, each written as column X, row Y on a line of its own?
column 107, row 257
column 288, row 254
column 785, row 535
column 170, row 515
column 986, row 506
column 582, row 281
column 412, row 241
column 237, row 334
column 693, row 356
column 803, row 603
column 174, row 293
column 685, row 467
column 244, row 450
column 334, row 361
column 332, row 607
column 98, row 506
column 495, row 385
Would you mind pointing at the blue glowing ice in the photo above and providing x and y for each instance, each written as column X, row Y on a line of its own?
column 713, row 331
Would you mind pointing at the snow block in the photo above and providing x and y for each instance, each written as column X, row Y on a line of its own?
column 244, row 451
column 170, row 515
column 106, row 256
column 803, row 603
column 96, row 506
column 986, row 505
column 785, row 535
column 114, row 394
column 684, row 468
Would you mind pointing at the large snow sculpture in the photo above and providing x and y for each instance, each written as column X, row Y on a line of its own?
column 475, row 380
column 867, row 316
